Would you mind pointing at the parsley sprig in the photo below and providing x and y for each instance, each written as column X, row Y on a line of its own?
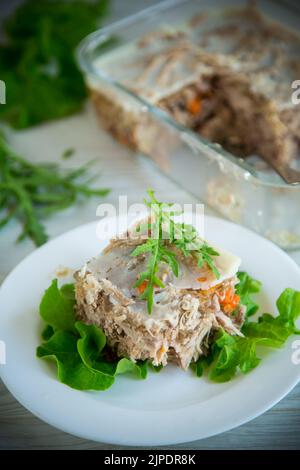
column 183, row 236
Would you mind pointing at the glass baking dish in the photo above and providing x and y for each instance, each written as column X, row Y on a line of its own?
column 246, row 191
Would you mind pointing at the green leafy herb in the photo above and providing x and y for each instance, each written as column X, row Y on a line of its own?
column 230, row 354
column 183, row 236
column 30, row 192
column 37, row 60
column 78, row 350
column 246, row 287
column 92, row 344
column 154, row 368
column 47, row 332
column 274, row 331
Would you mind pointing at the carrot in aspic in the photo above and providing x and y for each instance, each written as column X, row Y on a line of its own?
column 230, row 301
column 194, row 105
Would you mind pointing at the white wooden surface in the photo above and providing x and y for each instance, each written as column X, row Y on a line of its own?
column 279, row 428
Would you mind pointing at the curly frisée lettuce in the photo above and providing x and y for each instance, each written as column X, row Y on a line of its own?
column 79, row 350
column 85, row 362
column 232, row 354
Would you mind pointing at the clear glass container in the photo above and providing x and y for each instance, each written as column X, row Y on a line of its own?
column 246, row 191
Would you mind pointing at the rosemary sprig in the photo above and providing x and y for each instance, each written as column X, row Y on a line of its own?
column 183, row 236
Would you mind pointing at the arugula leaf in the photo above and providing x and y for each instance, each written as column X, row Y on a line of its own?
column 31, row 192
column 244, row 289
column 149, row 276
column 38, row 55
column 91, row 344
column 68, row 291
column 183, row 236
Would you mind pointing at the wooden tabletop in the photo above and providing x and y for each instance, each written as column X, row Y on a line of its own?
column 279, row 428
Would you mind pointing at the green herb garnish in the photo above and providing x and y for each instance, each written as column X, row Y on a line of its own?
column 37, row 60
column 79, row 350
column 244, row 289
column 182, row 236
column 30, row 192
column 232, row 354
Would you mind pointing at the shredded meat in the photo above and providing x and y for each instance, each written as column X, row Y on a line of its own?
column 179, row 335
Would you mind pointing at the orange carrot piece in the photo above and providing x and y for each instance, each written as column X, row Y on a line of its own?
column 230, row 301
column 141, row 288
column 194, row 106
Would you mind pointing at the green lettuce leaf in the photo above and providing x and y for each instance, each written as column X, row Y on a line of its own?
column 79, row 350
column 246, row 287
column 268, row 331
column 57, row 307
column 139, row 369
column 232, row 354
column 91, row 347
column 274, row 331
column 82, row 354
column 62, row 348
column 47, row 332
column 154, row 368
column 288, row 306
column 248, row 358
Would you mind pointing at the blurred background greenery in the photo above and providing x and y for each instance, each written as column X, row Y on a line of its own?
column 37, row 61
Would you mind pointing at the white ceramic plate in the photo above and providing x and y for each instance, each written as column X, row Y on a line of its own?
column 167, row 408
